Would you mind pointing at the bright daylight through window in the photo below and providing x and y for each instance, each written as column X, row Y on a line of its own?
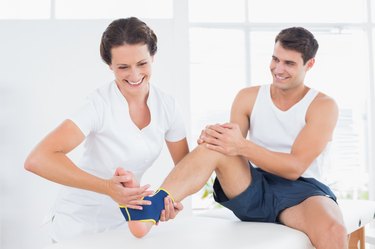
column 231, row 47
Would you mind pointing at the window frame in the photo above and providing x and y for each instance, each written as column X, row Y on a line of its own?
column 368, row 26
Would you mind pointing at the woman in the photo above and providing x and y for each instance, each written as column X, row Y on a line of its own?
column 124, row 125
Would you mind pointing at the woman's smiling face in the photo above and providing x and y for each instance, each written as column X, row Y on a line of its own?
column 131, row 65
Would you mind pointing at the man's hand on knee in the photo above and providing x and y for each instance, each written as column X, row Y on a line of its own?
column 224, row 138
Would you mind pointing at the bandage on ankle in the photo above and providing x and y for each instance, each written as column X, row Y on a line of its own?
column 149, row 212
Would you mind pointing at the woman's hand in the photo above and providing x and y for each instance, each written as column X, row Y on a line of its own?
column 125, row 190
column 171, row 209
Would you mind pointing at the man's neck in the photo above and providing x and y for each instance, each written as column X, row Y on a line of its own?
column 284, row 99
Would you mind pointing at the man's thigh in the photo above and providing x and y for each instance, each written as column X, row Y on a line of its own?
column 234, row 175
column 314, row 212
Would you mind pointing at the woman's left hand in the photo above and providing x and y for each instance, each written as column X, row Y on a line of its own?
column 171, row 209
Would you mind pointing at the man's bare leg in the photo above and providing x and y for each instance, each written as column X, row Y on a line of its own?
column 192, row 172
column 320, row 219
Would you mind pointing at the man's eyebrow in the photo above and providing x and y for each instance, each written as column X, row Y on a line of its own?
column 290, row 62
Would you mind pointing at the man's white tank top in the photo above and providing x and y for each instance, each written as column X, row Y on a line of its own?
column 276, row 130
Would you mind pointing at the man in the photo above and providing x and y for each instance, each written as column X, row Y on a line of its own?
column 272, row 176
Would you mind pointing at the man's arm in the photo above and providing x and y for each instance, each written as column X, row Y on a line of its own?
column 228, row 141
column 321, row 119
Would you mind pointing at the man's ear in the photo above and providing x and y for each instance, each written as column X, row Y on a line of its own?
column 310, row 63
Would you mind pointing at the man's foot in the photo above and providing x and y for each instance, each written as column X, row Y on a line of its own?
column 141, row 221
column 140, row 228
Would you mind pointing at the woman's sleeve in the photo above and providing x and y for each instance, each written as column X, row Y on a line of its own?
column 87, row 116
column 177, row 130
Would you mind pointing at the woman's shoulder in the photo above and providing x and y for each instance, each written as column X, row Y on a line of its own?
column 103, row 93
column 161, row 96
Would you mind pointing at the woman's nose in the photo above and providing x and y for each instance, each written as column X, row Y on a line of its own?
column 134, row 75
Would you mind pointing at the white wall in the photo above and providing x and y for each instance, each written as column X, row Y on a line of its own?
column 46, row 69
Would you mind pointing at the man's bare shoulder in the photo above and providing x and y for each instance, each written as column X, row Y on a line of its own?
column 322, row 100
column 323, row 105
column 248, row 92
column 244, row 101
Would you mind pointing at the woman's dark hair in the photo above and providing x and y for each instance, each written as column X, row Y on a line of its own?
column 298, row 39
column 126, row 31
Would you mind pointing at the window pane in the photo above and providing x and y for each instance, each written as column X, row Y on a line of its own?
column 25, row 9
column 216, row 11
column 371, row 118
column 331, row 11
column 338, row 69
column 261, row 49
column 217, row 74
column 90, row 9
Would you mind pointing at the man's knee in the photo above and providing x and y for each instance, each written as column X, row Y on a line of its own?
column 339, row 230
column 334, row 232
column 223, row 164
column 215, row 156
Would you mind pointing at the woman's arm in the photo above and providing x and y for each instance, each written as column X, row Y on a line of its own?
column 178, row 150
column 49, row 160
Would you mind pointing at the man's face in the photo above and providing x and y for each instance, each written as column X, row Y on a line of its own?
column 287, row 68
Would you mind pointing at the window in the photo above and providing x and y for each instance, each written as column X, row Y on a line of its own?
column 217, row 73
column 85, row 9
column 216, row 11
column 296, row 11
column 25, row 9
column 349, row 144
column 89, row 9
column 341, row 67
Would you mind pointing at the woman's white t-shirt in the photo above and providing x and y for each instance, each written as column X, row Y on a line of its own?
column 113, row 140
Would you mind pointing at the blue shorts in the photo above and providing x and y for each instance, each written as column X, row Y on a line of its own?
column 269, row 194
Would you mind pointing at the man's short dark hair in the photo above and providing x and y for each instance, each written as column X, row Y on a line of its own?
column 298, row 39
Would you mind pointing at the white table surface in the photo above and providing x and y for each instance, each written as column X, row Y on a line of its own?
column 218, row 229
column 197, row 232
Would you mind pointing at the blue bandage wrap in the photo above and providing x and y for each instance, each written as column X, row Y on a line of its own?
column 149, row 212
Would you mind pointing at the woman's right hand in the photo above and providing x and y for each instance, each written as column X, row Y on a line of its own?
column 124, row 189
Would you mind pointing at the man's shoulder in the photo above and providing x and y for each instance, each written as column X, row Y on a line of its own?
column 323, row 100
column 250, row 91
column 323, row 105
column 245, row 99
